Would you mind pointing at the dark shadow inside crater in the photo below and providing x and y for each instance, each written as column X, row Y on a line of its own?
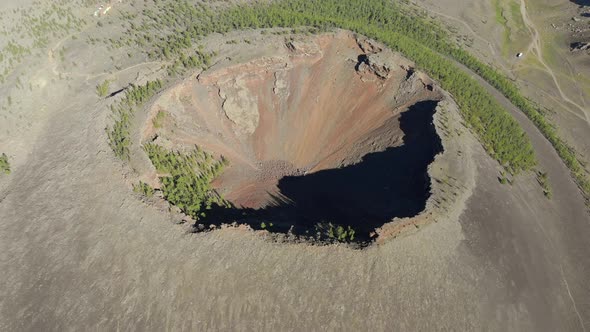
column 364, row 196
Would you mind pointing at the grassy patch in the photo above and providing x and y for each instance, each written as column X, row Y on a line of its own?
column 532, row 61
column 504, row 178
column 144, row 189
column 4, row 164
column 516, row 16
column 158, row 120
column 29, row 29
column 503, row 21
column 550, row 54
column 543, row 180
column 102, row 89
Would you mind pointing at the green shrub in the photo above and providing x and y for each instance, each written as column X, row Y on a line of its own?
column 4, row 164
column 333, row 232
column 543, row 180
column 102, row 90
column 144, row 189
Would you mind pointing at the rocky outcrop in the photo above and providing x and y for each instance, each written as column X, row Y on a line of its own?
column 377, row 63
column 368, row 46
column 303, row 47
column 240, row 105
column 281, row 85
column 411, row 88
column 580, row 46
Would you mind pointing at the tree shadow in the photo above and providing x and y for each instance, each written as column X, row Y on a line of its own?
column 364, row 196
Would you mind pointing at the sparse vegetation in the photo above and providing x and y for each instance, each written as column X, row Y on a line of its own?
column 504, row 178
column 184, row 62
column 503, row 21
column 102, row 89
column 4, row 164
column 543, row 180
column 33, row 28
column 333, row 232
column 144, row 189
column 186, row 178
column 264, row 225
column 118, row 133
column 159, row 119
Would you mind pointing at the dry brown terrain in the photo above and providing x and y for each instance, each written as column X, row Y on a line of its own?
column 80, row 251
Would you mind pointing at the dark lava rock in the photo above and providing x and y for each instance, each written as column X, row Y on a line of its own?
column 580, row 46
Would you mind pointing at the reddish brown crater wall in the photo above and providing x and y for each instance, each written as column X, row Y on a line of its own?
column 316, row 103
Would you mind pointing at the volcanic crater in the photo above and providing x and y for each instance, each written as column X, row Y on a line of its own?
column 331, row 128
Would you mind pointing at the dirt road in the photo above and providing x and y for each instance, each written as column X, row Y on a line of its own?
column 536, row 49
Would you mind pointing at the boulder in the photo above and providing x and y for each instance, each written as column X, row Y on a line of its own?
column 580, row 46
